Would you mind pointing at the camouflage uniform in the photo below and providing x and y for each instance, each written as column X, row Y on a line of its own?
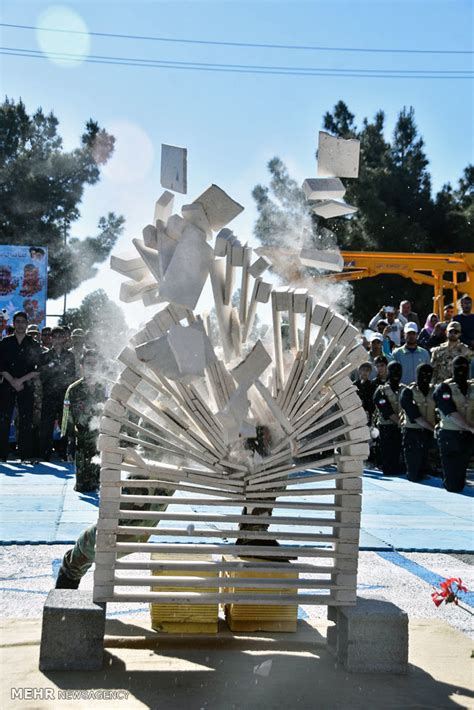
column 83, row 403
column 442, row 360
column 78, row 560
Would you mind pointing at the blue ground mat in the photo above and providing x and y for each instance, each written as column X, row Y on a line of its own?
column 39, row 506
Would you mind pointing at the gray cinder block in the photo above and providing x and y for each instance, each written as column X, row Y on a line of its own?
column 72, row 637
column 370, row 637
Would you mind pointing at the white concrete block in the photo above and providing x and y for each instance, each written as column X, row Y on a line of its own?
column 300, row 300
column 188, row 269
column 319, row 313
column 187, row 345
column 150, row 257
column 114, row 408
column 109, row 426
column 332, row 208
column 159, row 355
column 237, row 254
column 164, row 207
column 220, row 209
column 194, row 214
column 223, row 240
column 151, row 298
column 259, row 266
column 323, row 189
column 263, row 292
column 253, row 365
column 342, row 385
column 175, row 226
column 174, row 168
column 335, row 325
column 131, row 291
column 349, row 334
column 355, row 449
column 149, row 236
column 337, row 157
column 129, row 265
column 283, row 298
column 322, row 259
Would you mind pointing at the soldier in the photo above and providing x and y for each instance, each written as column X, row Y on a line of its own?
column 418, row 422
column 57, row 371
column 19, row 360
column 83, row 403
column 442, row 357
column 455, row 402
column 386, row 400
column 79, row 559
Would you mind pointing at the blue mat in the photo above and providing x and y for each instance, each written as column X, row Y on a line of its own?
column 39, row 506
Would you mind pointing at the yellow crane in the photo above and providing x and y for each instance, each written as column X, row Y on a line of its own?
column 430, row 269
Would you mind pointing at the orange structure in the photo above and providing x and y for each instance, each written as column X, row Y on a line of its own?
column 444, row 272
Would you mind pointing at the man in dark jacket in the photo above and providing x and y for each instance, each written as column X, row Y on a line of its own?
column 19, row 360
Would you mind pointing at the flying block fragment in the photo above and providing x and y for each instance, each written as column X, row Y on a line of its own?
column 322, row 259
column 174, row 163
column 338, row 157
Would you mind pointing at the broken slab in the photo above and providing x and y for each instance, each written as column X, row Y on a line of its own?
column 188, row 269
column 131, row 291
column 150, row 257
column 192, row 348
column 338, row 157
column 149, row 236
column 174, row 162
column 323, row 189
column 254, row 365
column 175, row 227
column 129, row 265
column 332, row 208
column 166, row 248
column 159, row 355
column 220, row 209
column 164, row 207
column 194, row 214
column 259, row 266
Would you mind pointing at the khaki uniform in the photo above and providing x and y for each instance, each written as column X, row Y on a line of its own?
column 416, row 440
column 83, row 404
column 442, row 360
column 456, row 445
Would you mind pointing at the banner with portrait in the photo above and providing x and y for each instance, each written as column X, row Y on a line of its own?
column 23, row 283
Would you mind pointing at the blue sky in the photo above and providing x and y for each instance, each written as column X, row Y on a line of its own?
column 232, row 124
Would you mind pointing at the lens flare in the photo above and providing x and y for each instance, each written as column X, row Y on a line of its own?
column 133, row 155
column 54, row 43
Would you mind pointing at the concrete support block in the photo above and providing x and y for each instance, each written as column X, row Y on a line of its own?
column 337, row 157
column 72, row 637
column 370, row 637
column 219, row 208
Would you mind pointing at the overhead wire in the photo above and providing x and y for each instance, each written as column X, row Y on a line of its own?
column 225, row 43
column 241, row 68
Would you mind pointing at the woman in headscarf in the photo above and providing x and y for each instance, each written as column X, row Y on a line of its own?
column 427, row 331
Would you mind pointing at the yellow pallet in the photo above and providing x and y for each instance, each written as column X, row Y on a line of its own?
column 184, row 618
column 261, row 617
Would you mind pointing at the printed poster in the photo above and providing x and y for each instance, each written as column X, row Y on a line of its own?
column 23, row 283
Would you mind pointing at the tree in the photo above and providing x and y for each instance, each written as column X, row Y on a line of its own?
column 42, row 187
column 102, row 319
column 396, row 211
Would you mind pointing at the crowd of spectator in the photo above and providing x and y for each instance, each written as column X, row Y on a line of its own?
column 417, row 383
column 43, row 382
column 37, row 371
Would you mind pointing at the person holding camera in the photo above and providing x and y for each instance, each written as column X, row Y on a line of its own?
column 394, row 327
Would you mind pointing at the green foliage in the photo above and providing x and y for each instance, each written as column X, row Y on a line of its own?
column 396, row 211
column 42, row 187
column 103, row 319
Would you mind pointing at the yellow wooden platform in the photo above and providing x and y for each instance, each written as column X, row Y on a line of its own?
column 260, row 617
column 184, row 618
